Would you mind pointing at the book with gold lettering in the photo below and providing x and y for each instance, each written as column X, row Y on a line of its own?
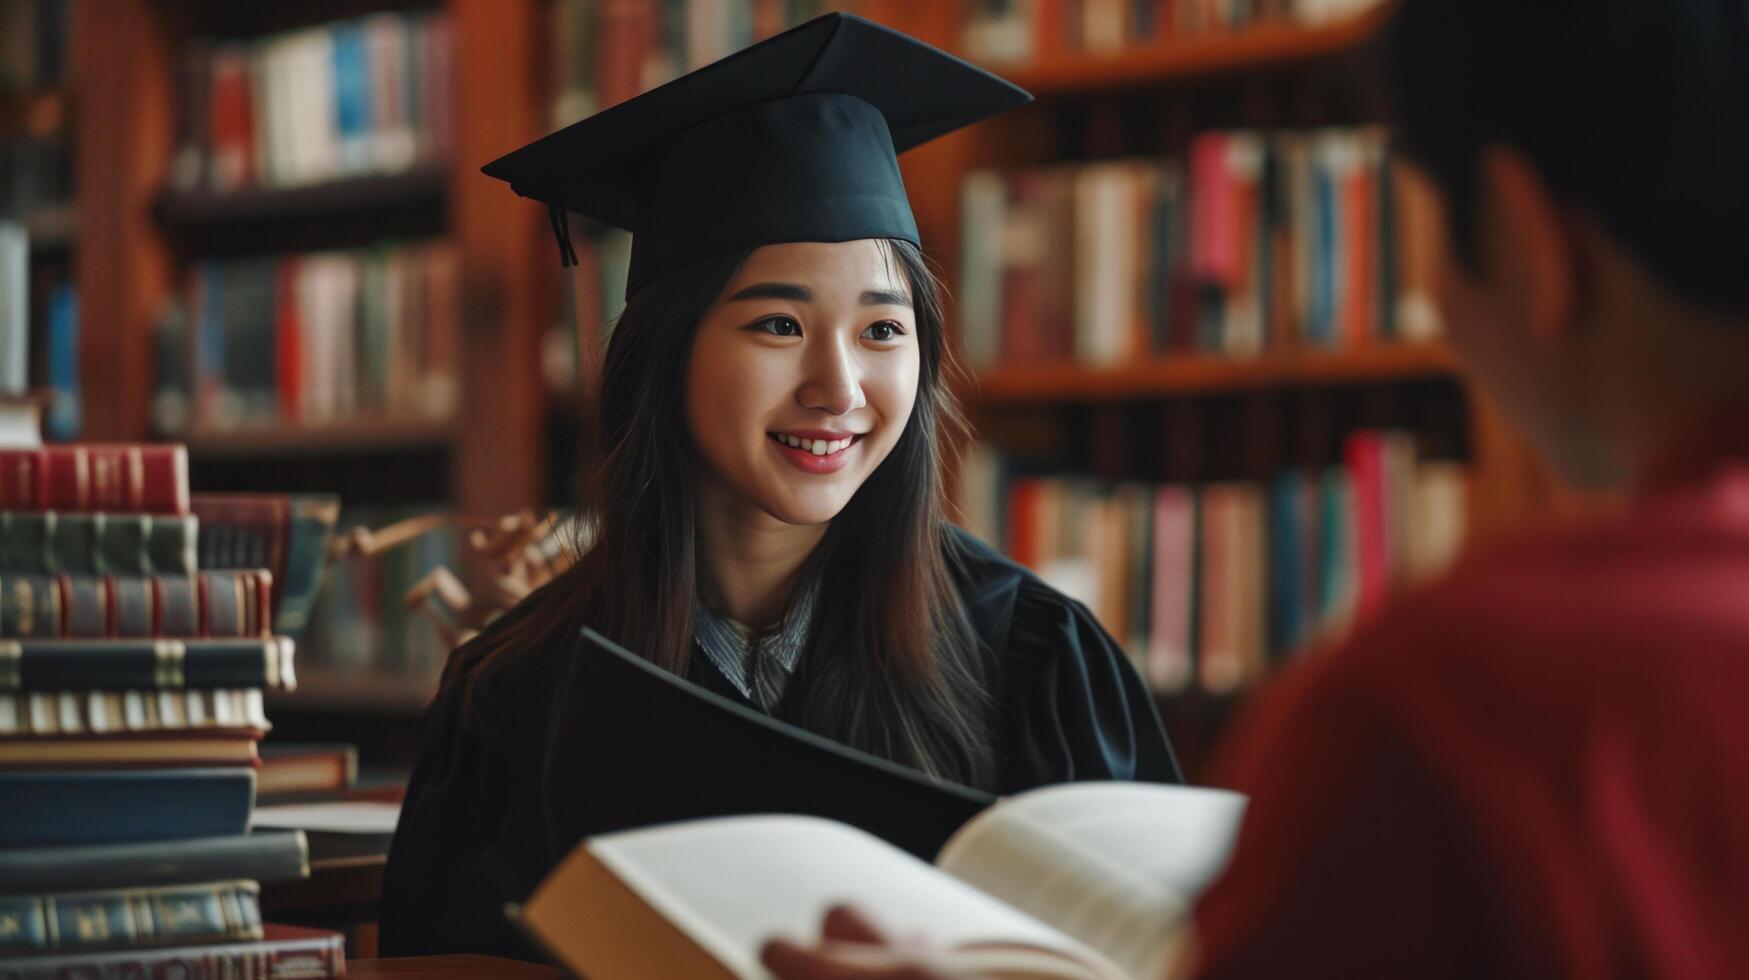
column 226, row 911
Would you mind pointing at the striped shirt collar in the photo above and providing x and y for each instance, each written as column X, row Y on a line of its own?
column 759, row 665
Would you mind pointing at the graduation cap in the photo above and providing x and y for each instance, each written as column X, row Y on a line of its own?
column 794, row 139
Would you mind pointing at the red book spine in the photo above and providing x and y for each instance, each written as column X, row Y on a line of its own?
column 1359, row 238
column 288, row 332
column 1023, row 533
column 85, row 478
column 22, row 479
column 287, row 951
column 203, row 606
column 67, row 478
column 1363, row 453
column 261, row 604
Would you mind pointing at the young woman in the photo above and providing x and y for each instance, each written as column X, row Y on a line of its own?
column 767, row 518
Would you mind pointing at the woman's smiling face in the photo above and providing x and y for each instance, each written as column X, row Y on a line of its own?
column 803, row 375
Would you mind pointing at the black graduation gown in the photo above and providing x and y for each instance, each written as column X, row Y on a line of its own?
column 474, row 835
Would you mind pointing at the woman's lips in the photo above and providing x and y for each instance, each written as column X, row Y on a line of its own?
column 820, row 456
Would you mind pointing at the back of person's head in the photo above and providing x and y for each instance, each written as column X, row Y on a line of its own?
column 1635, row 111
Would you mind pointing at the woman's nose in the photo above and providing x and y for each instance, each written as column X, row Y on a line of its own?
column 833, row 383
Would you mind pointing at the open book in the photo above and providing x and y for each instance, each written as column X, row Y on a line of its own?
column 1079, row 880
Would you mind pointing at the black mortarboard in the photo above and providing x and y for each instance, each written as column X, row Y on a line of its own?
column 791, row 140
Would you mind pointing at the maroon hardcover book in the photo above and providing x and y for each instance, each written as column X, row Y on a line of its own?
column 123, row 478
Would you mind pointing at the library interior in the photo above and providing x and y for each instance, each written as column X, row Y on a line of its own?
column 295, row 400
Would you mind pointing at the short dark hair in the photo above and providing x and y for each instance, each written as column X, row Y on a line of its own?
column 1636, row 111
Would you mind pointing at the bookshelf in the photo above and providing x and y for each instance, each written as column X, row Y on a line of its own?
column 359, row 436
column 147, row 234
column 1242, row 52
column 1203, row 418
column 1192, row 374
column 138, row 237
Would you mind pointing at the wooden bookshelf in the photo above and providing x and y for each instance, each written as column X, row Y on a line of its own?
column 371, row 691
column 52, row 228
column 424, row 186
column 1194, row 374
column 1245, row 52
column 37, row 112
column 351, row 437
column 138, row 235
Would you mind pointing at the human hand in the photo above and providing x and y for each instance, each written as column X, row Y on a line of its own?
column 852, row 948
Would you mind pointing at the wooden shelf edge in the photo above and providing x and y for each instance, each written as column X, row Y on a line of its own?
column 35, row 112
column 351, row 437
column 362, row 690
column 1252, row 49
column 1202, row 373
column 190, row 210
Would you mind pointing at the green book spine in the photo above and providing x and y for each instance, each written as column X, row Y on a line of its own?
column 52, row 542
column 24, row 542
column 121, row 544
column 228, row 911
column 170, row 545
column 72, row 542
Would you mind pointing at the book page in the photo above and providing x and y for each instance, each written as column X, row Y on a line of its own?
column 1115, row 865
column 736, row 882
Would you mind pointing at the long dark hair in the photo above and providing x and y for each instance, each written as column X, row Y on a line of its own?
column 893, row 666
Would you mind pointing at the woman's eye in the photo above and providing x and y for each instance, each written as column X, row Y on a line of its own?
column 883, row 331
column 779, row 326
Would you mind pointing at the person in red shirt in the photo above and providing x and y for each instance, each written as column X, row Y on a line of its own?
column 1540, row 766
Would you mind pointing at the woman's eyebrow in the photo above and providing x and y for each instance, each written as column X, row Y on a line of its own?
column 775, row 290
column 885, row 297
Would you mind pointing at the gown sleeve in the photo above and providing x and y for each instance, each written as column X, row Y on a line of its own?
column 468, row 842
column 1073, row 708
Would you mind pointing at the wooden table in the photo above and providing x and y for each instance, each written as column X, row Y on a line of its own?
column 447, row 967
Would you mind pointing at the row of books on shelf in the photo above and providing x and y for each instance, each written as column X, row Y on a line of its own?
column 35, row 172
column 39, row 337
column 606, row 52
column 1252, row 242
column 312, row 339
column 356, row 97
column 1206, row 586
column 33, row 45
column 1010, row 31
column 133, row 666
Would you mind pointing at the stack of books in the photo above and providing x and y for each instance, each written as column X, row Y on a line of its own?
column 131, row 704
column 1208, row 585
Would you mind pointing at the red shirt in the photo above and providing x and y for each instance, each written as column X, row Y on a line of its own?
column 1538, row 768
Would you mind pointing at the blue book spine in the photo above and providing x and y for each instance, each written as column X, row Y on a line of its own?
column 209, row 338
column 1324, row 260
column 111, row 806
column 64, row 417
column 352, row 116
column 145, row 664
column 222, row 912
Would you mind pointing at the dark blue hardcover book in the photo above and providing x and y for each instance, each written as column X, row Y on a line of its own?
column 41, row 809
column 263, row 856
column 146, row 664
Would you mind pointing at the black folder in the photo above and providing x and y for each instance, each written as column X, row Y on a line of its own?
column 661, row 749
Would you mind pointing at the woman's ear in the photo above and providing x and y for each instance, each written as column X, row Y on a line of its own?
column 1529, row 251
